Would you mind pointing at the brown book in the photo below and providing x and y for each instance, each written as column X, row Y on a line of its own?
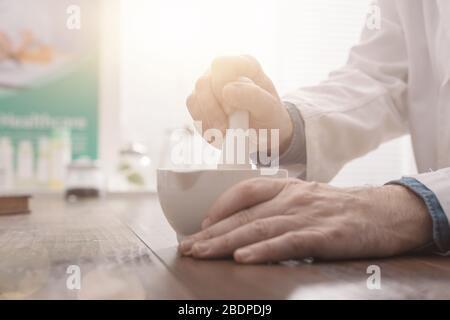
column 14, row 204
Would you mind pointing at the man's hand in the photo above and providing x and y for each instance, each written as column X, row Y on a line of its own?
column 263, row 220
column 239, row 83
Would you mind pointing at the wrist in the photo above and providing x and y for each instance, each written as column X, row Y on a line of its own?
column 286, row 131
column 440, row 224
column 408, row 209
column 400, row 218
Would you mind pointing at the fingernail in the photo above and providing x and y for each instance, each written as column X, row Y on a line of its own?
column 186, row 246
column 200, row 249
column 245, row 79
column 206, row 223
column 243, row 255
column 185, row 253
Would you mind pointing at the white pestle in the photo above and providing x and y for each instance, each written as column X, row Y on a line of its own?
column 186, row 196
column 236, row 145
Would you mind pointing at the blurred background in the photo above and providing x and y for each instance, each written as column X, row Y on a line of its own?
column 150, row 53
column 166, row 45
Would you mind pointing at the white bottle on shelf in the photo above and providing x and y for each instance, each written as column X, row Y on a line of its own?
column 6, row 163
column 25, row 163
column 43, row 162
column 60, row 157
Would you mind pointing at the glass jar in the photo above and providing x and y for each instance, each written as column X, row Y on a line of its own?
column 134, row 168
column 85, row 179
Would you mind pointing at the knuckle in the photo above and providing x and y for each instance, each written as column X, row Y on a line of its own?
column 249, row 188
column 267, row 249
column 336, row 234
column 250, row 58
column 317, row 243
column 243, row 217
column 296, row 241
column 307, row 197
column 227, row 242
column 227, row 108
column 312, row 184
column 218, row 62
column 206, row 234
column 291, row 199
column 294, row 238
column 261, row 229
column 286, row 223
column 202, row 83
column 246, row 188
column 299, row 193
column 253, row 61
column 292, row 183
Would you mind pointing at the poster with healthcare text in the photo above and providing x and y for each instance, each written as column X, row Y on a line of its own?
column 49, row 73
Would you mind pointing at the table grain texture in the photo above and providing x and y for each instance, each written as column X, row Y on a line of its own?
column 123, row 248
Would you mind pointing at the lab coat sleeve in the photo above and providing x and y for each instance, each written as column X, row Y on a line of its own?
column 360, row 105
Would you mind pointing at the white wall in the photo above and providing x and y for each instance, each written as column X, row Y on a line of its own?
column 110, row 135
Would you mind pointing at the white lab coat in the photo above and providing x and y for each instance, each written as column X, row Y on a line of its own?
column 397, row 80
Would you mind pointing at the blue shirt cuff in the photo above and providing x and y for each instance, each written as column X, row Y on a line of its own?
column 441, row 227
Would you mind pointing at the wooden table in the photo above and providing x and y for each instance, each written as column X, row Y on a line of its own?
column 122, row 247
